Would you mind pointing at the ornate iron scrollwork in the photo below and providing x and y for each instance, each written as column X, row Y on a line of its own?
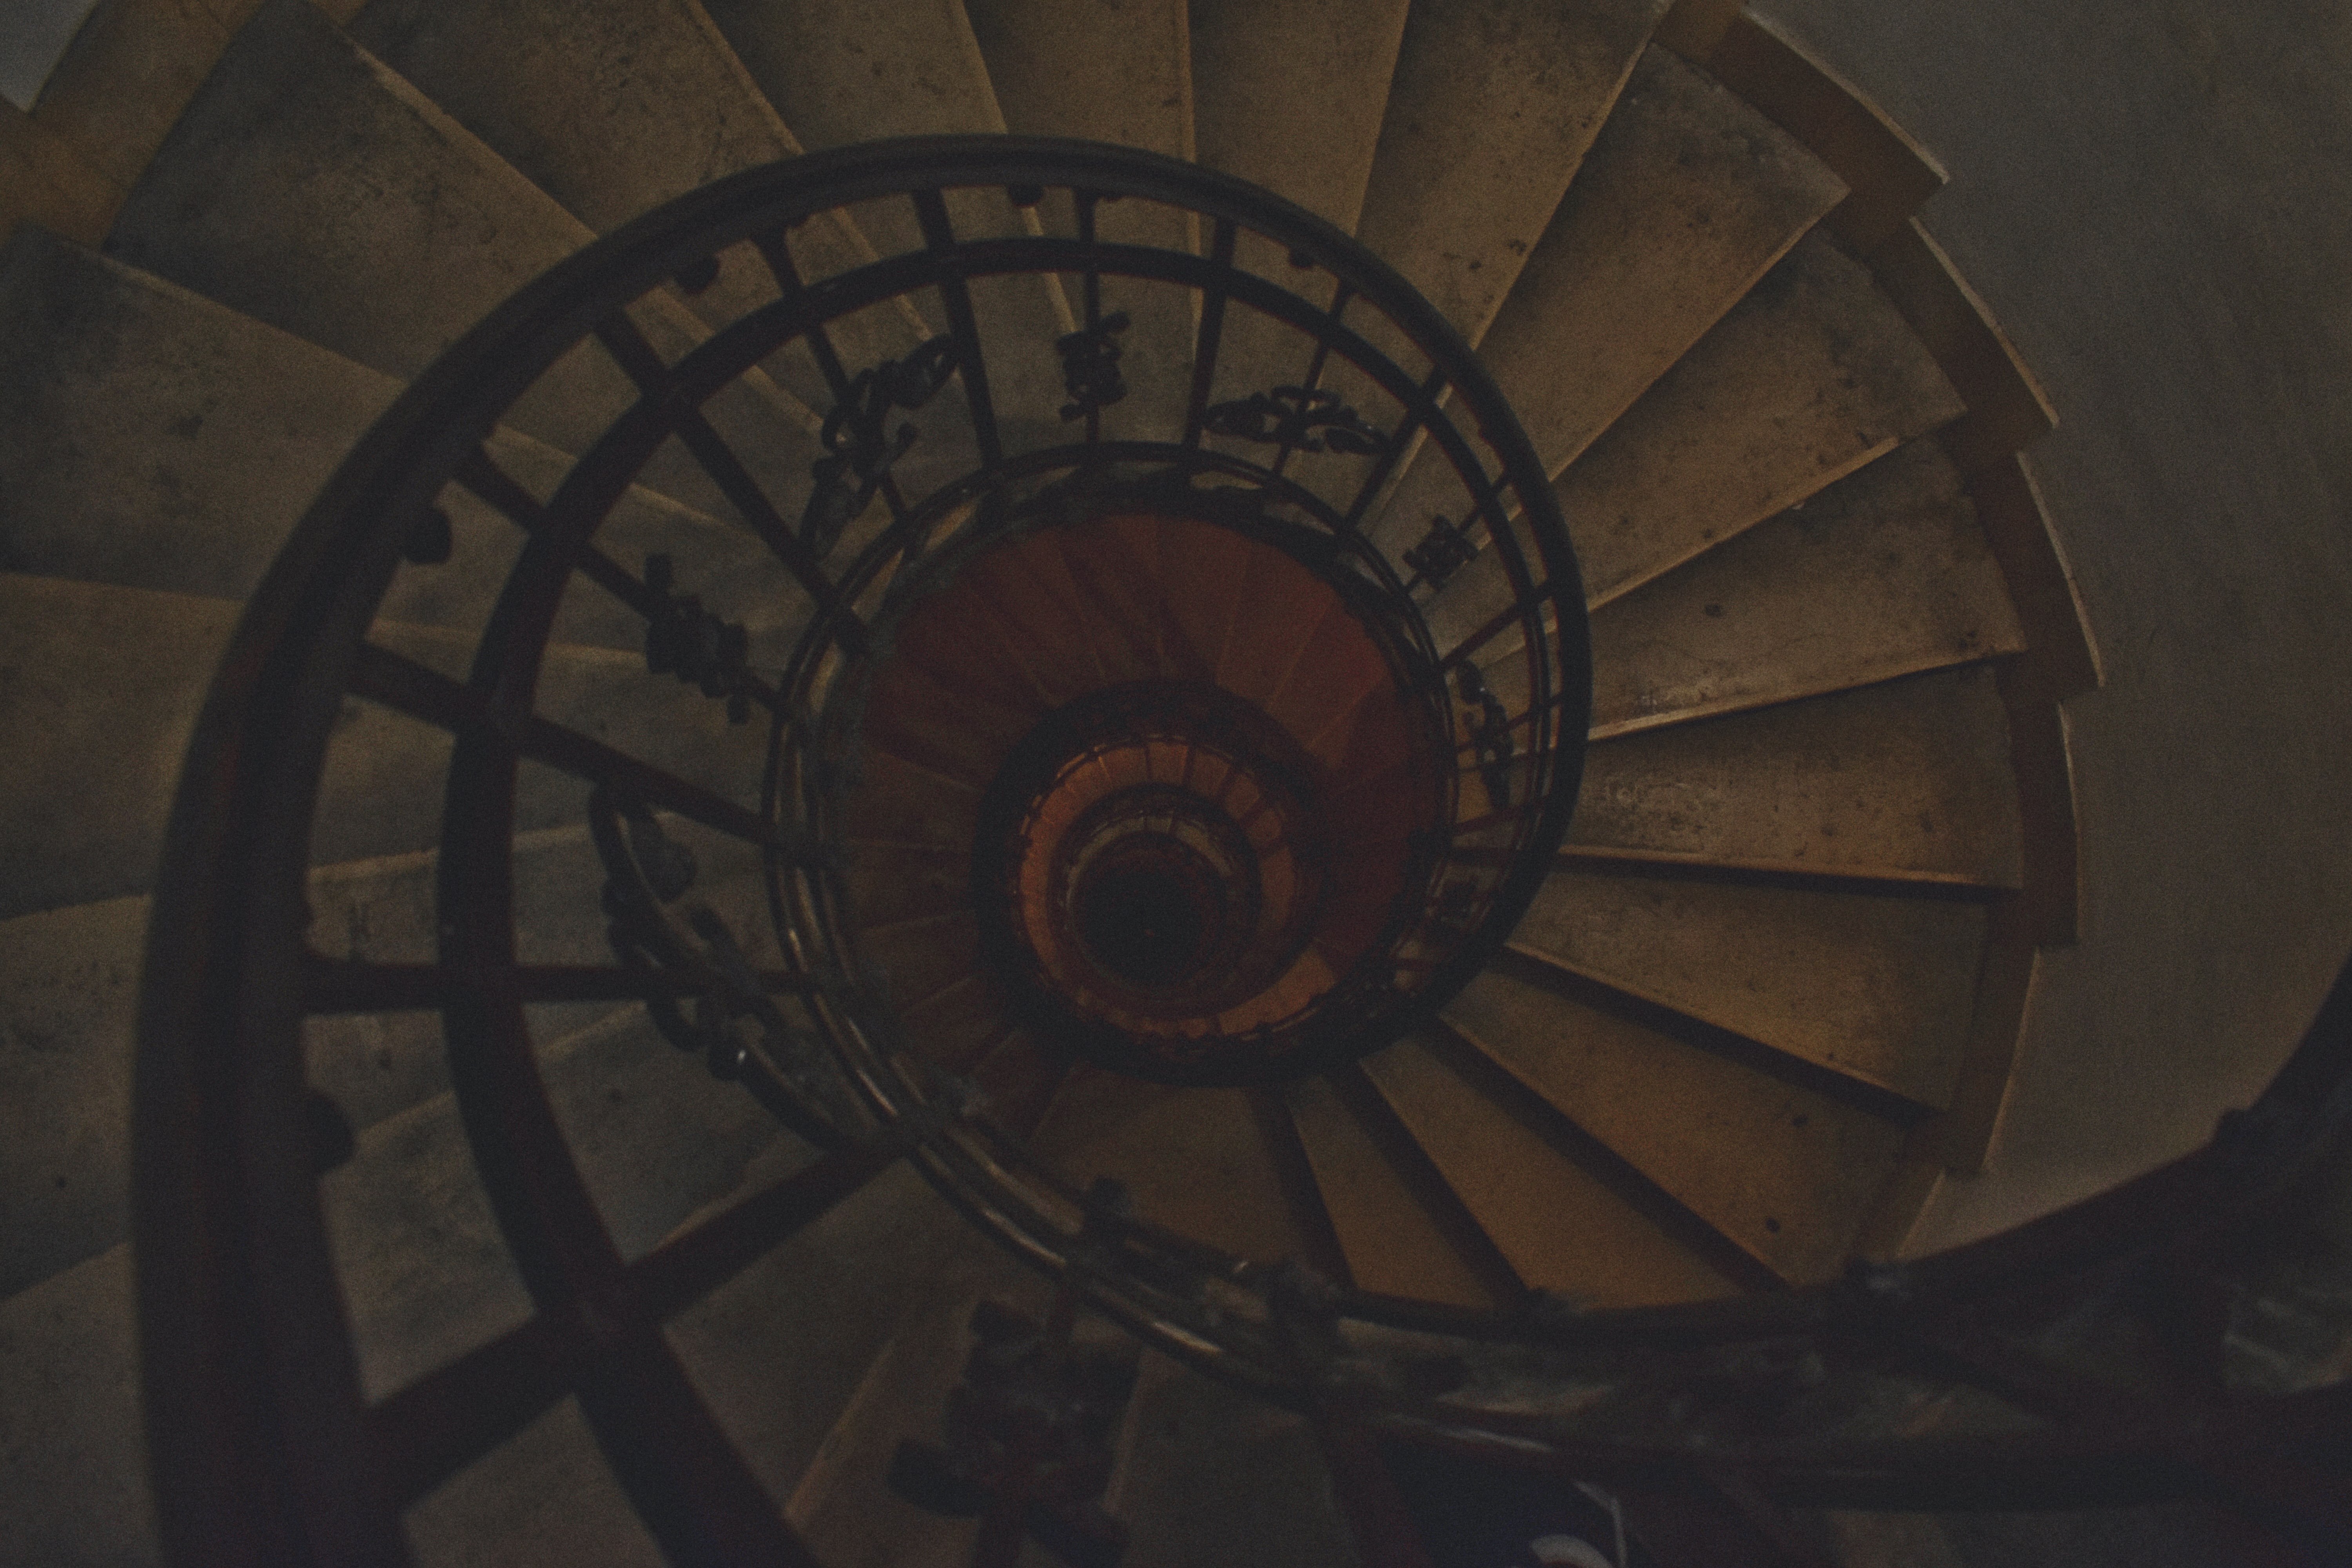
column 733, row 1019
column 859, row 447
column 1490, row 736
column 1442, row 551
column 1303, row 419
column 684, row 639
column 1091, row 367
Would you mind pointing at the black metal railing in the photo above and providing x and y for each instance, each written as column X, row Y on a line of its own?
column 966, row 400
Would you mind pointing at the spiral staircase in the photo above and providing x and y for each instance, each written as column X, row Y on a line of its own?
column 1151, row 861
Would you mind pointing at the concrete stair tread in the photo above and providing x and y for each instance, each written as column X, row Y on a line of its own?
column 1562, row 1229
column 1808, row 378
column 1874, row 986
column 614, row 108
column 1392, row 1243
column 1309, row 137
column 158, row 439
column 1686, row 197
column 1195, row 1159
column 1883, row 575
column 1489, row 113
column 387, row 258
column 1785, row 1174
column 1910, row 779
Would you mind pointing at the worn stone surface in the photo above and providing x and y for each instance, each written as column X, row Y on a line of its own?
column 1489, row 113
column 1392, row 1244
column 1809, row 378
column 1906, row 779
column 545, row 1498
column 1562, row 1229
column 1884, row 575
column 2151, row 211
column 1874, row 986
column 73, row 1461
column 1784, row 1173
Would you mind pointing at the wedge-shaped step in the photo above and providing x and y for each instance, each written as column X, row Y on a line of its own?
column 1308, row 135
column 1214, row 1475
column 110, row 680
column 1908, row 779
column 1810, row 377
column 957, row 1024
column 74, row 1486
column 1120, row 74
column 419, row 1254
column 1686, row 198
column 833, row 1293
column 1563, row 1229
column 899, row 802
column 1392, row 1243
column 1490, row 112
column 916, row 957
column 1786, row 1174
column 69, row 996
column 387, row 257
column 1886, row 574
column 543, row 1496
column 612, row 109
column 1874, row 986
column 1194, row 1158
column 154, row 438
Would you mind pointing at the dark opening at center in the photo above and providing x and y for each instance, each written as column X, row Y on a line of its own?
column 1142, row 922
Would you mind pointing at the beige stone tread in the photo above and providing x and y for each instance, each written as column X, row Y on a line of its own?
column 1306, row 135
column 1874, row 986
column 1193, row 1158
column 1788, row 1174
column 837, row 1291
column 1885, row 574
column 1808, row 378
column 73, row 1488
column 158, row 439
column 614, row 107
column 1392, row 1245
column 956, row 1025
column 423, row 1266
column 257, row 201
column 1909, row 779
column 1017, row 1079
column 1563, row 1230
column 1215, row 1476
column 919, row 956
column 1111, row 71
column 1687, row 197
column 842, row 1508
column 110, row 679
column 1489, row 113
column 546, row 1498
column 69, row 996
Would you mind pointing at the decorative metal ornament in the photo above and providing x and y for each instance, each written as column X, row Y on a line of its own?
column 1304, row 419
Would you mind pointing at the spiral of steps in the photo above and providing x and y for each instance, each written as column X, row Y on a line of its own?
column 1766, row 993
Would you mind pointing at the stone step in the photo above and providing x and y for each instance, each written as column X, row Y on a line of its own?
column 1685, row 199
column 115, row 677
column 1214, row 1476
column 1872, row 985
column 1195, row 1159
column 614, row 108
column 1811, row 376
column 1910, row 779
column 841, row 73
column 157, row 439
column 1489, row 113
column 1392, row 1242
column 1121, row 74
column 310, row 186
column 1883, row 575
column 71, row 996
column 1563, row 1229
column 1784, row 1173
